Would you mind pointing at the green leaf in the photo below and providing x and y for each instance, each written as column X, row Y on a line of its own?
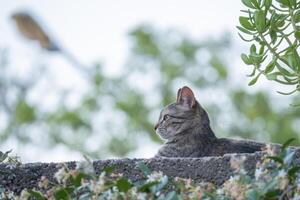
column 263, row 58
column 287, row 143
column 285, row 82
column 123, row 185
column 109, row 169
column 62, row 194
column 147, row 186
column 170, row 196
column 288, row 157
column 248, row 3
column 293, row 3
column 280, row 23
column 276, row 159
column 252, row 194
column 260, row 20
column 293, row 60
column 246, row 60
column 256, row 4
column 261, row 50
column 244, row 21
column 253, row 81
column 36, row 195
column 245, row 30
column 284, row 2
column 272, row 194
column 283, row 71
column 297, row 35
column 297, row 16
column 3, row 156
column 268, row 4
column 76, row 181
column 293, row 171
column 256, row 59
column 144, row 168
column 273, row 36
column 291, row 80
column 287, row 93
column 270, row 186
column 272, row 76
column 270, row 67
column 161, row 185
column 253, row 49
column 244, row 39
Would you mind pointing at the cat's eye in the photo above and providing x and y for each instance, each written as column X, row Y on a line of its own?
column 166, row 117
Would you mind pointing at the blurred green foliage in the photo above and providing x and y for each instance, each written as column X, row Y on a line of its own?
column 115, row 115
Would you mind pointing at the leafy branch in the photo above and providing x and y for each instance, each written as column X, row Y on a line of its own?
column 272, row 28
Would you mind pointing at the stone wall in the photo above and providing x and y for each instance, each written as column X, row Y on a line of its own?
column 212, row 169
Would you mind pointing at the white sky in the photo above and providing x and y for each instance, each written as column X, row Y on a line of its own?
column 97, row 30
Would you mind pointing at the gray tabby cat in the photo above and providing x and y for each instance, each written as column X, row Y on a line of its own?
column 185, row 127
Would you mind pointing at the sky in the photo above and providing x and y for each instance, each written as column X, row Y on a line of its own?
column 98, row 31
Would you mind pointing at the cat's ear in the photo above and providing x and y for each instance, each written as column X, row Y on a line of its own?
column 178, row 95
column 185, row 97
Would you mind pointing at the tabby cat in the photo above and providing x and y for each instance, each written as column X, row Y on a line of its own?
column 184, row 125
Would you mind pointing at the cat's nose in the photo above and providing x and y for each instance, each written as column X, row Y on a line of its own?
column 155, row 127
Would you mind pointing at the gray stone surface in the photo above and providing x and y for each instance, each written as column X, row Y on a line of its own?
column 212, row 169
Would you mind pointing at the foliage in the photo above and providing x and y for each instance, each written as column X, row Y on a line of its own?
column 272, row 28
column 7, row 158
column 152, row 53
column 259, row 116
column 109, row 115
column 276, row 177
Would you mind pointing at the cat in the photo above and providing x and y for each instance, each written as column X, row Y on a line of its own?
column 185, row 127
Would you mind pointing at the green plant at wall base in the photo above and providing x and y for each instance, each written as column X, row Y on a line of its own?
column 276, row 177
column 5, row 157
column 274, row 33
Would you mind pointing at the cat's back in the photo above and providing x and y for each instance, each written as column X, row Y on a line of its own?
column 224, row 145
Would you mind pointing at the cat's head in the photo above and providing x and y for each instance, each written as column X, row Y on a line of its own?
column 183, row 116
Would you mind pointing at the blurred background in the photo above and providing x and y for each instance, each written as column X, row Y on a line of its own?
column 92, row 79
